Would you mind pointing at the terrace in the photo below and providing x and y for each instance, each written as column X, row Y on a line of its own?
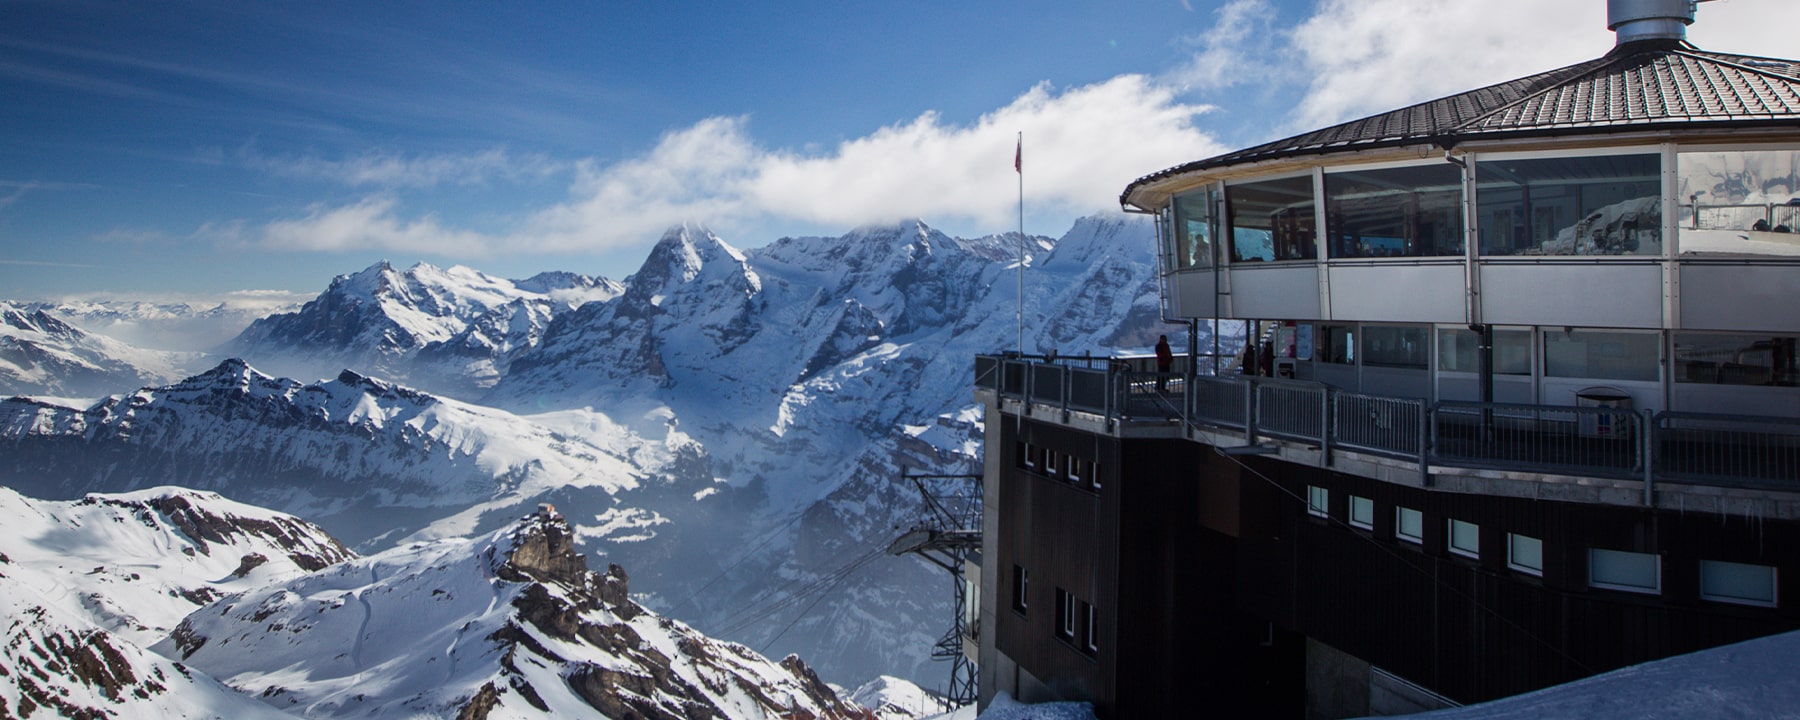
column 1693, row 461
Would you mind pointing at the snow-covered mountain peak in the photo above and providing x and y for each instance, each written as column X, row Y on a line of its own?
column 688, row 254
column 43, row 355
column 511, row 624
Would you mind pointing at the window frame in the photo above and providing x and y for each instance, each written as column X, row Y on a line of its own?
column 1452, row 538
column 1318, row 501
column 1774, row 585
column 1655, row 589
column 1021, row 599
column 1512, row 554
column 1400, row 515
column 1360, row 501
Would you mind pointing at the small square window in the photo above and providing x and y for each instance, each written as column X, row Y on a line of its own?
column 1525, row 554
column 1318, row 501
column 1622, row 570
column 1409, row 525
column 1362, row 512
column 1739, row 583
column 1465, row 538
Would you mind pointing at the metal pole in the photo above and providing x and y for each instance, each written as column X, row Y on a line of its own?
column 1019, row 166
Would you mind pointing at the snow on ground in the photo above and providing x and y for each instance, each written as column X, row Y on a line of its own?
column 1752, row 679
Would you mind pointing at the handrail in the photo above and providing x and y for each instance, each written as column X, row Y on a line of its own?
column 1697, row 448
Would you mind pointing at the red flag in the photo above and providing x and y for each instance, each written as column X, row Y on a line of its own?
column 1019, row 157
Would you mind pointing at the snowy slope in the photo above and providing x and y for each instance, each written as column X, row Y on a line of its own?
column 798, row 367
column 1751, row 679
column 137, row 563
column 453, row 330
column 511, row 624
column 363, row 457
column 41, row 355
column 56, row 664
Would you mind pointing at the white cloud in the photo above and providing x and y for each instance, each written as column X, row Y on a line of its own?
column 1241, row 47
column 395, row 170
column 1081, row 147
column 1370, row 56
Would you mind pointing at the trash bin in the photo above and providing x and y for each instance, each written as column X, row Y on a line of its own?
column 1602, row 424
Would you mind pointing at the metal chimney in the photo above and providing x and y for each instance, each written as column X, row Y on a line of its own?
column 1635, row 20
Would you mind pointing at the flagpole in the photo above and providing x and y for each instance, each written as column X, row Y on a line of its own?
column 1019, row 168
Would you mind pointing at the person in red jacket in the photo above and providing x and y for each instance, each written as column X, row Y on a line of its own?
column 1164, row 360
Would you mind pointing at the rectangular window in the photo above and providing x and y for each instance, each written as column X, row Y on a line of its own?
column 1065, row 614
column 1739, row 583
column 1337, row 345
column 1318, row 501
column 1076, row 469
column 1021, row 587
column 1397, row 212
column 1396, row 346
column 1272, row 220
column 1602, row 355
column 1525, row 554
column 1737, row 359
column 1601, row 205
column 1027, row 456
column 1465, row 538
column 1051, row 459
column 1738, row 204
column 1459, row 351
column 1093, row 471
column 1409, row 525
column 1193, row 229
column 1362, row 512
column 1090, row 631
column 1623, row 570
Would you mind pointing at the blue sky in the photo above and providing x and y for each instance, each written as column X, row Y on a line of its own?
column 176, row 149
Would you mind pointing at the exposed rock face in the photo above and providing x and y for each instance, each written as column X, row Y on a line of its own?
column 528, row 628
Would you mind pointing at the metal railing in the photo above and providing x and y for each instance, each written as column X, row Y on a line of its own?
column 1604, row 442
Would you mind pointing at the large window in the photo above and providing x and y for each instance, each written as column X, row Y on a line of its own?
column 1604, row 205
column 1739, row 583
column 1622, row 570
column 1398, row 212
column 1459, row 351
column 1602, row 355
column 1739, row 203
column 1194, row 229
column 1737, row 359
column 1272, row 220
column 1396, row 346
column 1337, row 345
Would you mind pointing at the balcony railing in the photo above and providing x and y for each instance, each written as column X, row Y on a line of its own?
column 1690, row 448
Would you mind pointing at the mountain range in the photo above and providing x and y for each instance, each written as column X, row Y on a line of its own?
column 732, row 424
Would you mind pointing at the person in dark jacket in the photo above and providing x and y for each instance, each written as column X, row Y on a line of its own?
column 1164, row 360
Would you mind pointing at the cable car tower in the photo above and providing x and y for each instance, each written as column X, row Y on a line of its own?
column 947, row 535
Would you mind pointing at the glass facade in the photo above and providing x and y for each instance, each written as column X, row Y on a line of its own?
column 1193, row 229
column 1459, row 351
column 1272, row 220
column 1396, row 346
column 1397, row 212
column 1736, row 204
column 1737, row 359
column 1602, row 355
column 1601, row 205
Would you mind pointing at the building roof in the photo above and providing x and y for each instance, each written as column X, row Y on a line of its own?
column 1642, row 85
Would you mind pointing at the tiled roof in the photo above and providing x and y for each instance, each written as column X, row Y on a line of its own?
column 1644, row 85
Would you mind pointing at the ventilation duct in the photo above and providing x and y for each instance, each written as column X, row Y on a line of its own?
column 1636, row 20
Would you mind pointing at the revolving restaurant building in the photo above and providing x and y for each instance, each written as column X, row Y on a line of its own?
column 1520, row 407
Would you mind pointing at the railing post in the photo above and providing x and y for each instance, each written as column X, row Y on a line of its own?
column 1325, row 401
column 1646, row 436
column 1250, row 393
column 1427, row 437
